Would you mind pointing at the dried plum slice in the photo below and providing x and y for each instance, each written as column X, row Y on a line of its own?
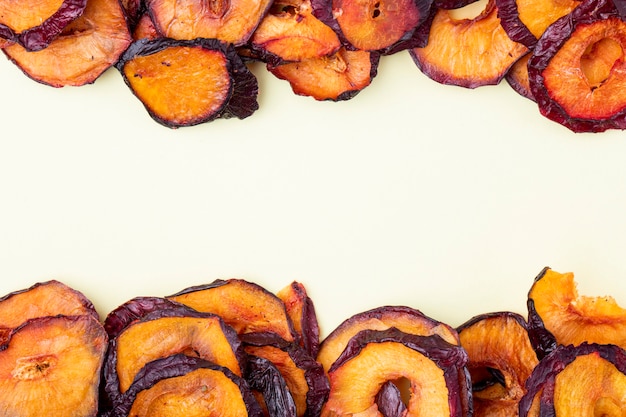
column 244, row 305
column 557, row 311
column 34, row 24
column 230, row 21
column 517, row 77
column 269, row 387
column 435, row 369
column 404, row 318
column 577, row 70
column 340, row 76
column 86, row 48
column 185, row 83
column 50, row 366
column 304, row 376
column 301, row 310
column 181, row 385
column 455, row 53
column 501, row 359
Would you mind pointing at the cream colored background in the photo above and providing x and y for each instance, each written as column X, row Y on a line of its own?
column 415, row 193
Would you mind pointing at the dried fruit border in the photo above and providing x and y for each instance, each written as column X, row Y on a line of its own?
column 187, row 60
column 233, row 348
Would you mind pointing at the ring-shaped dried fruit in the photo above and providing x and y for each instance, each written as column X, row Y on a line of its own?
column 435, row 369
column 185, row 83
column 301, row 310
column 577, row 72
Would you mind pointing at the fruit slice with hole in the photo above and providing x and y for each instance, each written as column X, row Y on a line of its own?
column 305, row 377
column 301, row 310
column 578, row 69
column 269, row 387
column 456, row 50
column 244, row 305
column 180, row 385
column 85, row 49
column 50, row 366
column 340, row 76
column 555, row 305
column 434, row 369
column 501, row 358
column 406, row 319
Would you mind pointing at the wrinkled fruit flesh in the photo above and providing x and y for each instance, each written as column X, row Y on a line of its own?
column 436, row 372
column 85, row 48
column 50, row 366
column 584, row 380
column 577, row 72
column 467, row 52
column 404, row 318
column 555, row 306
column 337, row 77
column 501, row 359
column 185, row 83
column 301, row 310
column 244, row 305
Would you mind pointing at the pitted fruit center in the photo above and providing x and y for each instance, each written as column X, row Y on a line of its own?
column 599, row 59
column 33, row 367
column 607, row 407
column 216, row 8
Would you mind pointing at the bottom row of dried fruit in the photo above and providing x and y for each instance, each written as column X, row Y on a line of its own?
column 233, row 348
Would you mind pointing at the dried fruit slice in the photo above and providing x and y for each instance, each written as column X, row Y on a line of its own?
column 185, row 83
column 301, row 311
column 163, row 333
column 290, row 32
column 230, row 21
column 34, row 24
column 583, row 380
column 180, row 385
column 50, row 366
column 86, row 48
column 406, row 319
column 144, row 28
column 517, row 77
column 435, row 370
column 577, row 70
column 467, row 52
column 337, row 77
column 389, row 400
column 501, row 359
column 244, row 305
column 269, row 387
column 555, row 306
column 305, row 377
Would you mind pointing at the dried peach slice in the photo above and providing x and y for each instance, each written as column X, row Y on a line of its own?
column 244, row 305
column 404, row 318
column 435, row 370
column 337, row 77
column 301, row 310
column 501, row 359
column 555, row 306
column 467, row 52
column 86, row 48
column 50, row 366
column 578, row 69
column 517, row 77
column 34, row 24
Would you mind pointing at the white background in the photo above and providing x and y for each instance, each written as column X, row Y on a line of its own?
column 444, row 199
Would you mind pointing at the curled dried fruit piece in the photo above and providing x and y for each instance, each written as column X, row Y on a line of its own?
column 50, row 366
column 181, row 385
column 185, row 83
column 517, row 77
column 269, row 387
column 406, row 319
column 577, row 70
column 134, row 310
column 301, row 310
column 467, row 52
column 555, row 309
column 337, row 77
column 501, row 358
column 86, row 48
column 435, row 370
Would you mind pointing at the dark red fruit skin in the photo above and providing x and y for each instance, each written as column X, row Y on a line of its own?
column 588, row 12
column 512, row 25
column 543, row 377
column 389, row 401
column 38, row 37
column 451, row 359
column 111, row 392
column 319, row 385
column 542, row 340
column 452, row 4
column 245, row 89
column 310, row 337
column 174, row 366
column 264, row 377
